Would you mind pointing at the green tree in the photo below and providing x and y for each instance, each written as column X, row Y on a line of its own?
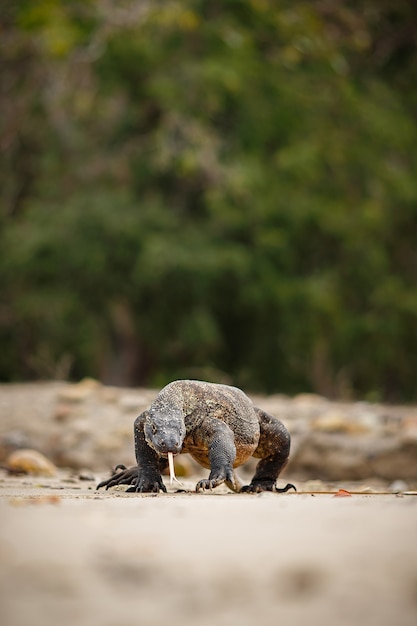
column 223, row 190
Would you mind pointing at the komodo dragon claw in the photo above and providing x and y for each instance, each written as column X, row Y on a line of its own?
column 128, row 476
column 259, row 488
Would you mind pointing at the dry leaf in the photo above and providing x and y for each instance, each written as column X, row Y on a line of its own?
column 342, row 493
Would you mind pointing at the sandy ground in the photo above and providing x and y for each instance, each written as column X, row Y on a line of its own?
column 70, row 555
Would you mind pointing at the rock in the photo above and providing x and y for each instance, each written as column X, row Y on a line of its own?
column 109, row 394
column 350, row 423
column 79, row 391
column 366, row 489
column 394, row 459
column 131, row 403
column 398, row 486
column 27, row 461
column 409, row 428
column 366, row 420
column 89, row 383
column 13, row 440
column 331, row 423
column 308, row 399
column 62, row 412
column 86, row 475
column 336, row 456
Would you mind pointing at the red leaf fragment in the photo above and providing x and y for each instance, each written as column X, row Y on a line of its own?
column 342, row 493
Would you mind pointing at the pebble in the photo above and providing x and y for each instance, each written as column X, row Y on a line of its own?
column 130, row 402
column 309, row 399
column 331, row 423
column 79, row 391
column 409, row 428
column 14, row 439
column 398, row 486
column 27, row 461
column 86, row 476
column 109, row 394
column 338, row 422
column 62, row 412
column 74, row 394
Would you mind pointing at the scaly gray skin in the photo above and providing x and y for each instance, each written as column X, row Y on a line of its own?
column 218, row 425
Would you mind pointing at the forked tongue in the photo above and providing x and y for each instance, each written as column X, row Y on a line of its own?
column 172, row 470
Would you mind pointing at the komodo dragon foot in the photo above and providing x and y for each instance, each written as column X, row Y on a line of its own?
column 127, row 476
column 259, row 486
column 141, row 481
column 217, row 477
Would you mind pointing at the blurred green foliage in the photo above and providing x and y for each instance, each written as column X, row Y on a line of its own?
column 219, row 190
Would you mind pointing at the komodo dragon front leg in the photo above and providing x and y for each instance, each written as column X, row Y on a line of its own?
column 215, row 440
column 273, row 450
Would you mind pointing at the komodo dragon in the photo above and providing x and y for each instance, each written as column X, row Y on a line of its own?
column 218, row 425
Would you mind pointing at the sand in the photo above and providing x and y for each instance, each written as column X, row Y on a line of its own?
column 70, row 555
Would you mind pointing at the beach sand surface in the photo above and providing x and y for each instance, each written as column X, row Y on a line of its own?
column 74, row 556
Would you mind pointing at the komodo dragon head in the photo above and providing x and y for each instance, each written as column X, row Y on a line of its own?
column 164, row 430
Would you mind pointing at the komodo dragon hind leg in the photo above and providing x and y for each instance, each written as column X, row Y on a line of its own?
column 273, row 450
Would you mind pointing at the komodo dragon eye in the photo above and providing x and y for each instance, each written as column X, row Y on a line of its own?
column 154, row 429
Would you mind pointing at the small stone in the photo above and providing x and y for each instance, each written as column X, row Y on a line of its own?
column 89, row 383
column 398, row 486
column 109, row 394
column 79, row 391
column 366, row 489
column 74, row 394
column 409, row 428
column 107, row 443
column 367, row 421
column 13, row 440
column 86, row 476
column 27, row 461
column 62, row 412
column 331, row 423
column 338, row 422
column 309, row 398
column 130, row 402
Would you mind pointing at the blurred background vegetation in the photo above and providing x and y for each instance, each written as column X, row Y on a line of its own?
column 210, row 189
